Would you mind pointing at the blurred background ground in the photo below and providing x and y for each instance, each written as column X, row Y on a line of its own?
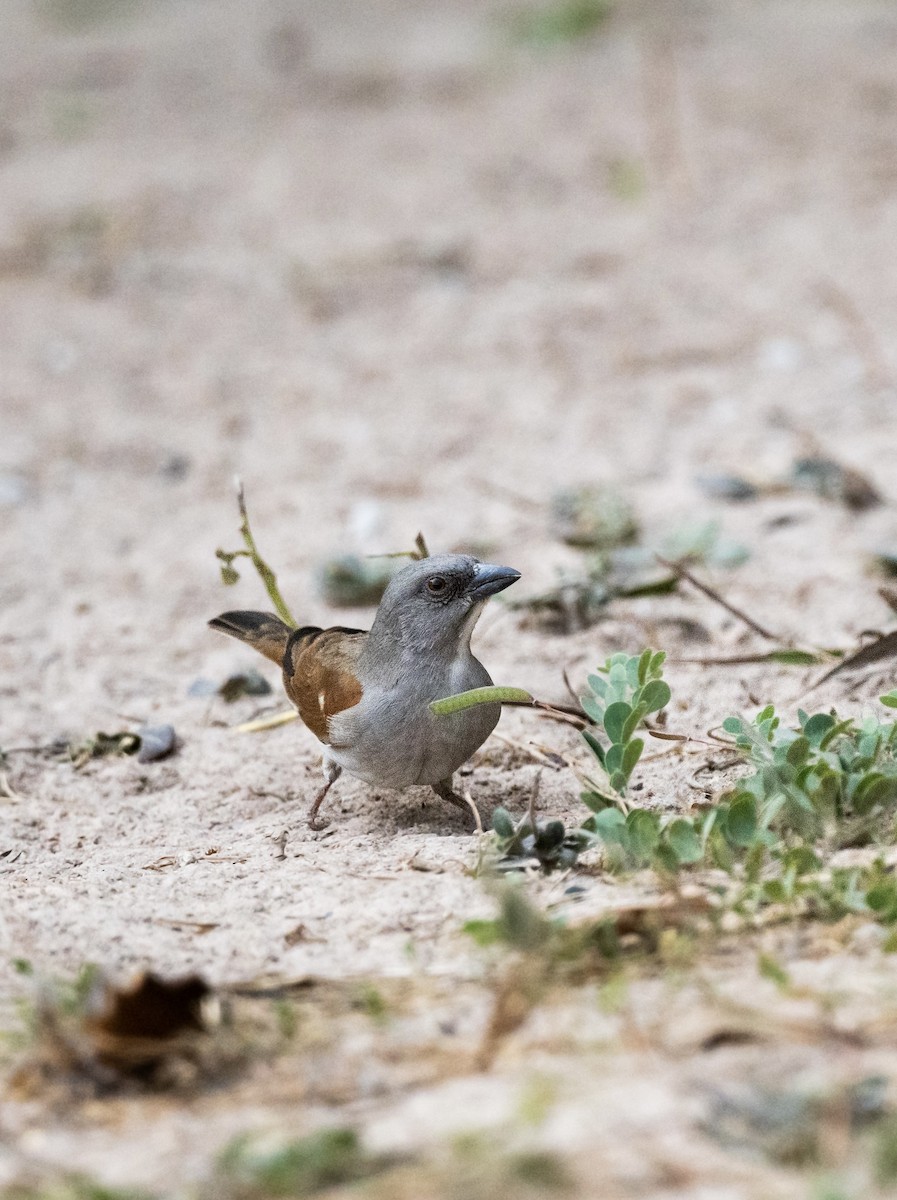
column 402, row 266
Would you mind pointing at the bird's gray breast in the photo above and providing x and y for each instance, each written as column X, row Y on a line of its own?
column 391, row 739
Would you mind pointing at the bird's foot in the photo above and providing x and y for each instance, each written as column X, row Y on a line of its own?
column 445, row 791
column 332, row 773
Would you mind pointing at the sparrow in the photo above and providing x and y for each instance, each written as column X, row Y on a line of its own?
column 365, row 695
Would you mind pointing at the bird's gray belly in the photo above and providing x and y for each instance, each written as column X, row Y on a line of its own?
column 392, row 740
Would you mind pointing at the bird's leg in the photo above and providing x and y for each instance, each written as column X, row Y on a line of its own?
column 445, row 791
column 332, row 772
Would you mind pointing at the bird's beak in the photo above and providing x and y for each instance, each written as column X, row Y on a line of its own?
column 489, row 579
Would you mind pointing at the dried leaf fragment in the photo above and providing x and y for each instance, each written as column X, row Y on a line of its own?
column 151, row 1007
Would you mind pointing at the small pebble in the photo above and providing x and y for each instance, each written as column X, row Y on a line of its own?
column 13, row 490
column 245, row 683
column 203, row 687
column 156, row 741
column 720, row 486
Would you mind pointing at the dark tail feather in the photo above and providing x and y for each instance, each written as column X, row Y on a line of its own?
column 263, row 631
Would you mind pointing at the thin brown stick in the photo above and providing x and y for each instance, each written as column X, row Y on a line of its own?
column 740, row 660
column 683, row 573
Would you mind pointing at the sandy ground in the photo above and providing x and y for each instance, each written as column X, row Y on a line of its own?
column 401, row 271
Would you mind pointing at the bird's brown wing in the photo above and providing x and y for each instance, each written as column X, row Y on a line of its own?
column 319, row 673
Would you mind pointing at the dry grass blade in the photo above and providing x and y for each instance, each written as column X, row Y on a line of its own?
column 198, row 927
column 468, row 800
column 547, row 758
column 421, row 550
column 786, row 656
column 882, row 648
column 6, row 788
column 683, row 573
column 889, row 595
column 262, row 723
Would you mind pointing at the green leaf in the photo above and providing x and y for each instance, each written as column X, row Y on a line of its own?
column 733, row 725
column 484, row 933
column 598, row 684
column 889, row 700
column 613, row 758
column 610, row 825
column 550, row 836
column 817, row 726
column 618, row 781
column 872, row 790
column 798, row 752
column 794, row 658
column 593, row 709
column 631, row 755
column 615, row 718
column 683, row 840
column 632, row 672
column 656, row 664
column 619, row 677
column 643, row 828
column 595, row 801
column 836, row 730
column 882, row 898
column 502, row 823
column 770, row 968
column 800, row 860
column 652, row 587
column 594, row 745
column 666, row 859
column 644, row 665
column 741, row 822
column 484, row 695
column 655, row 695
column 632, row 722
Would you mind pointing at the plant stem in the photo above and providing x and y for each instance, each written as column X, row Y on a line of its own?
column 268, row 578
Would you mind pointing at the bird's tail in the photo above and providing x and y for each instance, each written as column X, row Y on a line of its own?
column 263, row 631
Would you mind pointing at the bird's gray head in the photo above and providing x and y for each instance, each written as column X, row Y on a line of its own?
column 432, row 605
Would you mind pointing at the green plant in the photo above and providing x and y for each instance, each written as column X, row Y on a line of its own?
column 621, row 695
column 551, row 845
column 563, row 21
column 810, row 790
column 829, row 780
column 251, row 1167
column 73, row 1187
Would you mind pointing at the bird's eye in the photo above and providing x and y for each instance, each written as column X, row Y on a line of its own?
column 436, row 585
